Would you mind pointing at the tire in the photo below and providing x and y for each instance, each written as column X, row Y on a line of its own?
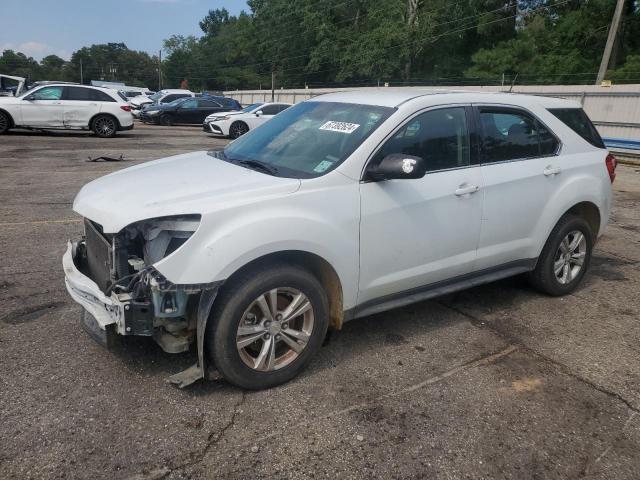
column 556, row 272
column 104, row 126
column 5, row 122
column 245, row 366
column 166, row 120
column 237, row 129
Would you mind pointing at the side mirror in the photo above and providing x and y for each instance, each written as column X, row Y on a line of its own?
column 398, row 166
column 258, row 113
column 29, row 98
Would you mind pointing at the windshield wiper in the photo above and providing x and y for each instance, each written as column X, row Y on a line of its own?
column 254, row 164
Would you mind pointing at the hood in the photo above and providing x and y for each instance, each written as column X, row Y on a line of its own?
column 8, row 99
column 140, row 100
column 193, row 183
column 226, row 113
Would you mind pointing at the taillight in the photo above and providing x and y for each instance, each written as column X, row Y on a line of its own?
column 126, row 108
column 612, row 163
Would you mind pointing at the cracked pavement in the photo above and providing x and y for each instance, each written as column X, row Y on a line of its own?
column 494, row 382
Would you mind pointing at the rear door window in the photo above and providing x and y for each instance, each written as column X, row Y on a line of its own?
column 510, row 134
column 77, row 94
column 577, row 120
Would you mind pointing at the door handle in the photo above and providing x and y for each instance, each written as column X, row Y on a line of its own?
column 551, row 170
column 465, row 189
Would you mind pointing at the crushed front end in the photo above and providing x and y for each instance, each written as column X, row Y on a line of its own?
column 113, row 278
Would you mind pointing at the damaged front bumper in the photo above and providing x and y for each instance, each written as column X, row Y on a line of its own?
column 105, row 310
column 107, row 316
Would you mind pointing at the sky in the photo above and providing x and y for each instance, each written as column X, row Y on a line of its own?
column 39, row 28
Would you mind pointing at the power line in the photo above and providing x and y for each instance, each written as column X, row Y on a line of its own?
column 437, row 37
column 287, row 59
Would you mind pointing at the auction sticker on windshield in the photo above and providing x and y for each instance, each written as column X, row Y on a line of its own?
column 342, row 127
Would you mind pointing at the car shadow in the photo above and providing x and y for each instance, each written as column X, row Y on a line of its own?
column 64, row 134
column 399, row 326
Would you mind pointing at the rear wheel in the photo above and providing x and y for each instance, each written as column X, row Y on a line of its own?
column 565, row 257
column 5, row 122
column 267, row 326
column 237, row 129
column 104, row 126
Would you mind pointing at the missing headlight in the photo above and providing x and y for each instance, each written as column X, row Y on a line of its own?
column 159, row 237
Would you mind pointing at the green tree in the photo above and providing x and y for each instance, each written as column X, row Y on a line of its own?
column 18, row 64
column 113, row 62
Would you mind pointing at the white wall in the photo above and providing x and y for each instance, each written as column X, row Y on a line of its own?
column 614, row 110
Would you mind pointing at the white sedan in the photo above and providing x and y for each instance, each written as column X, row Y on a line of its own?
column 236, row 124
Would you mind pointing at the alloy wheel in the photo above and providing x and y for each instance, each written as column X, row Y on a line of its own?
column 570, row 256
column 238, row 129
column 105, row 126
column 275, row 329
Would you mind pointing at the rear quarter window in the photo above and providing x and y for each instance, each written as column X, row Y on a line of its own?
column 98, row 96
column 577, row 120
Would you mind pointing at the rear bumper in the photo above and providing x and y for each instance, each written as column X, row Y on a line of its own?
column 126, row 127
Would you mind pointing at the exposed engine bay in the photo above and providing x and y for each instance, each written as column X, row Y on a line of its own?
column 122, row 266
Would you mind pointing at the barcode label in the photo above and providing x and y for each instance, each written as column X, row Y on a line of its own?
column 342, row 127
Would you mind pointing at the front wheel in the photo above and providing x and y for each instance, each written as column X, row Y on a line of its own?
column 565, row 257
column 267, row 325
column 237, row 129
column 105, row 126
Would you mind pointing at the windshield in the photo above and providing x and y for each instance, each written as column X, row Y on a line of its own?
column 176, row 101
column 248, row 108
column 309, row 139
column 156, row 96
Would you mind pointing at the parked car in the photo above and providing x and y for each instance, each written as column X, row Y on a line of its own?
column 11, row 86
column 183, row 110
column 163, row 96
column 236, row 124
column 128, row 93
column 63, row 106
column 342, row 206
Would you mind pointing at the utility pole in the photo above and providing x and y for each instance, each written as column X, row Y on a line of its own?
column 159, row 69
column 273, row 85
column 611, row 39
column 81, row 77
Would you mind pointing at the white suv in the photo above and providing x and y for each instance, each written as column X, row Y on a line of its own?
column 75, row 107
column 342, row 206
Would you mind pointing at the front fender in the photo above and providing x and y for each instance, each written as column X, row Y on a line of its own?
column 228, row 240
